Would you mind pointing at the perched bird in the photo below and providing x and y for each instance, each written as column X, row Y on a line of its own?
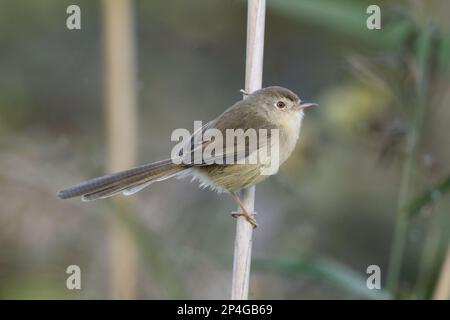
column 274, row 109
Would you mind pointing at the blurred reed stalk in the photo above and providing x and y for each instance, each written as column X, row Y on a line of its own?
column 442, row 291
column 429, row 255
column 422, row 62
column 256, row 10
column 121, row 125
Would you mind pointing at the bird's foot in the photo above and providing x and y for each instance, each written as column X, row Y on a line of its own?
column 244, row 212
column 249, row 217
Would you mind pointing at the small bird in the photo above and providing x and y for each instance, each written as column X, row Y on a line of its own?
column 270, row 108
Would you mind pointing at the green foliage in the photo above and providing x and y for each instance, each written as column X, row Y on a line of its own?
column 429, row 197
column 322, row 269
column 347, row 18
column 424, row 47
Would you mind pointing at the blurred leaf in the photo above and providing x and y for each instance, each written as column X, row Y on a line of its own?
column 349, row 18
column 430, row 196
column 346, row 17
column 323, row 269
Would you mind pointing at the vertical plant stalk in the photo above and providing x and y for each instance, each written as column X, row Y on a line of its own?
column 402, row 223
column 429, row 255
column 253, row 81
column 121, row 123
column 442, row 291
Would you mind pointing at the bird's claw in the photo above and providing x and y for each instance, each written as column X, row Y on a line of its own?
column 247, row 217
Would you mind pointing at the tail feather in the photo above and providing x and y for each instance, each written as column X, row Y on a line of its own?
column 112, row 184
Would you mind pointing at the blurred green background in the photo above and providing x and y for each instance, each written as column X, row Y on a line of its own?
column 366, row 185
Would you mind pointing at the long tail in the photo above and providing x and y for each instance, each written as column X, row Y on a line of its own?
column 128, row 182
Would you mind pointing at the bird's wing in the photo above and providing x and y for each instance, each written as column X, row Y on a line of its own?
column 209, row 145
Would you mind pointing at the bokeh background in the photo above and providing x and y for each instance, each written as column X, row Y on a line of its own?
column 367, row 184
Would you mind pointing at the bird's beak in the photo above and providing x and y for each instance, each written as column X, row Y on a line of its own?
column 302, row 104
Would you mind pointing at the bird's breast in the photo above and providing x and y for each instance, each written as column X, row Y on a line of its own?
column 289, row 134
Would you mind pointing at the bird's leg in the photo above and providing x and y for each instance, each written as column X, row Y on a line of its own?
column 245, row 213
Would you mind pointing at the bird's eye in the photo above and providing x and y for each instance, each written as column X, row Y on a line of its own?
column 280, row 104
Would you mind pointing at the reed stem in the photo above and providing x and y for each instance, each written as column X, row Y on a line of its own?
column 253, row 81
